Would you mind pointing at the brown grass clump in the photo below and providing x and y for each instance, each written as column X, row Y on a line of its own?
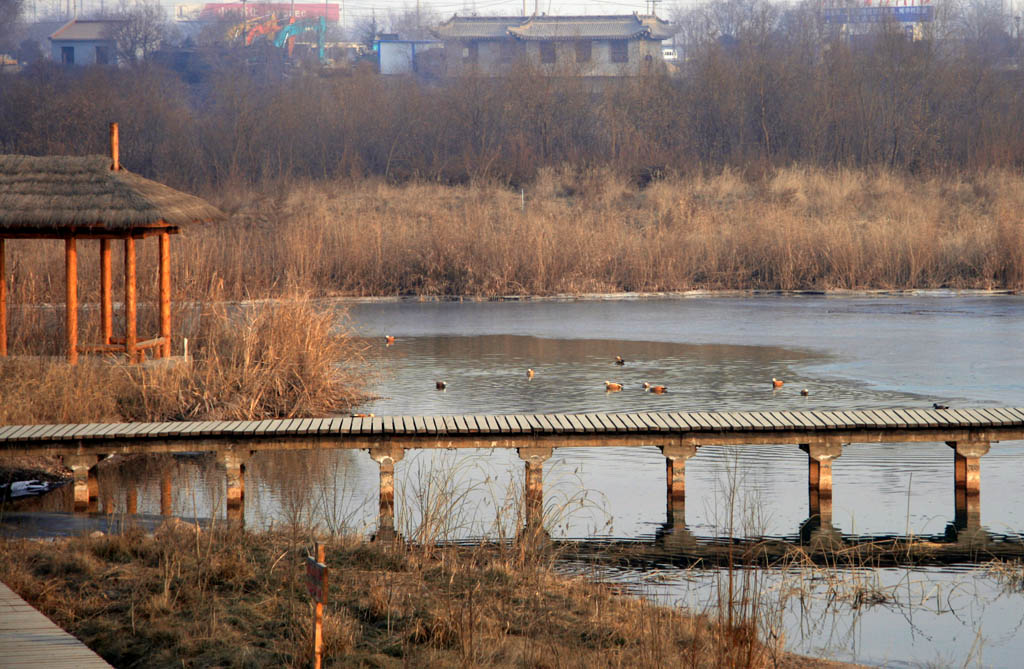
column 229, row 598
column 255, row 361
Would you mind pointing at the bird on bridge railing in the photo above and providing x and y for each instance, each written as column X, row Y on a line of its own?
column 612, row 387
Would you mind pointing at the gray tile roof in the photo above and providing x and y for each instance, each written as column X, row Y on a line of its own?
column 86, row 30
column 631, row 26
column 477, row 27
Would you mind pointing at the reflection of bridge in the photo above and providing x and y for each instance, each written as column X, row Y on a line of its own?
column 821, row 434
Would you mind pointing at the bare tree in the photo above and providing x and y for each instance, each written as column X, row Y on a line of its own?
column 141, row 30
column 10, row 12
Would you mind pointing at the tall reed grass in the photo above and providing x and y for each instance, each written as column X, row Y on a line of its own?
column 268, row 360
column 583, row 231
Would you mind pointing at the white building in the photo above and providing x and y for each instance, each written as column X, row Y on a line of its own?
column 86, row 42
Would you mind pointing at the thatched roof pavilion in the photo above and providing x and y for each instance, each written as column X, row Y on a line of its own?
column 93, row 197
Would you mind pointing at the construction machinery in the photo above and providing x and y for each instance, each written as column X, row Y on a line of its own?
column 285, row 38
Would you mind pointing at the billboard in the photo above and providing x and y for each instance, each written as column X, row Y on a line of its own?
column 215, row 11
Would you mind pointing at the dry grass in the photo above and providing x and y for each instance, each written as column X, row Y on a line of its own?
column 255, row 361
column 578, row 231
column 228, row 598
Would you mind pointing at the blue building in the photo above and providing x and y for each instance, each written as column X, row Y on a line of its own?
column 86, row 42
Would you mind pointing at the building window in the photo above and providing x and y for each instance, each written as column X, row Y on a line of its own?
column 67, row 55
column 620, row 51
column 470, row 53
column 103, row 55
column 508, row 51
column 547, row 52
column 583, row 49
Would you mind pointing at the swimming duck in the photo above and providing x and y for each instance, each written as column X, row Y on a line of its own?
column 805, row 392
column 619, row 360
column 776, row 383
column 612, row 387
column 389, row 340
column 440, row 385
column 657, row 390
column 936, row 405
column 529, row 373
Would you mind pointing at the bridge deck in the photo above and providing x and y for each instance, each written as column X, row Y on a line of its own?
column 897, row 424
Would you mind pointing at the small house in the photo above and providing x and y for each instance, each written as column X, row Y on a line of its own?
column 86, row 42
column 588, row 46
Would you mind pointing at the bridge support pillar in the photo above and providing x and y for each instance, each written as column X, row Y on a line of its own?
column 166, row 493
column 675, row 468
column 819, row 466
column 86, row 485
column 386, row 457
column 234, row 469
column 967, row 464
column 533, row 488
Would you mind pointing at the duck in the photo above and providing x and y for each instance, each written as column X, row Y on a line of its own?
column 805, row 392
column 657, row 390
column 936, row 405
column 619, row 360
column 362, row 415
column 776, row 383
column 389, row 340
column 529, row 373
column 440, row 385
column 612, row 387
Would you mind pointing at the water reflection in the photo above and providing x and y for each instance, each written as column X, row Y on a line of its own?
column 713, row 354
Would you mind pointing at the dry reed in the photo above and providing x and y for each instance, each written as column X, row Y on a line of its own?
column 581, row 231
column 268, row 360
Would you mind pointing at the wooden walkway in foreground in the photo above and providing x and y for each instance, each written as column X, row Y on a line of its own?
column 30, row 639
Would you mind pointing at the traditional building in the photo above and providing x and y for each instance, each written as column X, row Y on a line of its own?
column 589, row 46
column 86, row 42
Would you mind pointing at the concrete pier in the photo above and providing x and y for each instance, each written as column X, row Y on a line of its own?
column 819, row 465
column 675, row 469
column 387, row 458
column 533, row 488
column 86, row 485
column 234, row 468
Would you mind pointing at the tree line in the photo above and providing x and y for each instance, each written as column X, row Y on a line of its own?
column 781, row 87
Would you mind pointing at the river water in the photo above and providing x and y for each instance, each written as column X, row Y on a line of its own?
column 714, row 354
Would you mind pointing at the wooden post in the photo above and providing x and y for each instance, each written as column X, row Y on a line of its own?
column 131, row 500
column 165, row 293
column 71, row 299
column 115, row 164
column 106, row 301
column 3, row 300
column 130, row 331
column 320, row 598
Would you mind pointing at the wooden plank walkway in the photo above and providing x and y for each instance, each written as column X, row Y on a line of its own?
column 30, row 639
column 703, row 427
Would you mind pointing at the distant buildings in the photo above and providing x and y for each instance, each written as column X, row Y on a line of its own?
column 589, row 46
column 86, row 42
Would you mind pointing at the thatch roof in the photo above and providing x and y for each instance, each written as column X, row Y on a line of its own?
column 58, row 193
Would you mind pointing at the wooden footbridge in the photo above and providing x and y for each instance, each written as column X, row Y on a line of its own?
column 821, row 434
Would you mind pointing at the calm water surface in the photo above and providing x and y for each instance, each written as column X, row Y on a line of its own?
column 714, row 354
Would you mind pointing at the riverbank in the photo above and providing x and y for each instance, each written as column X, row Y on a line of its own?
column 225, row 597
